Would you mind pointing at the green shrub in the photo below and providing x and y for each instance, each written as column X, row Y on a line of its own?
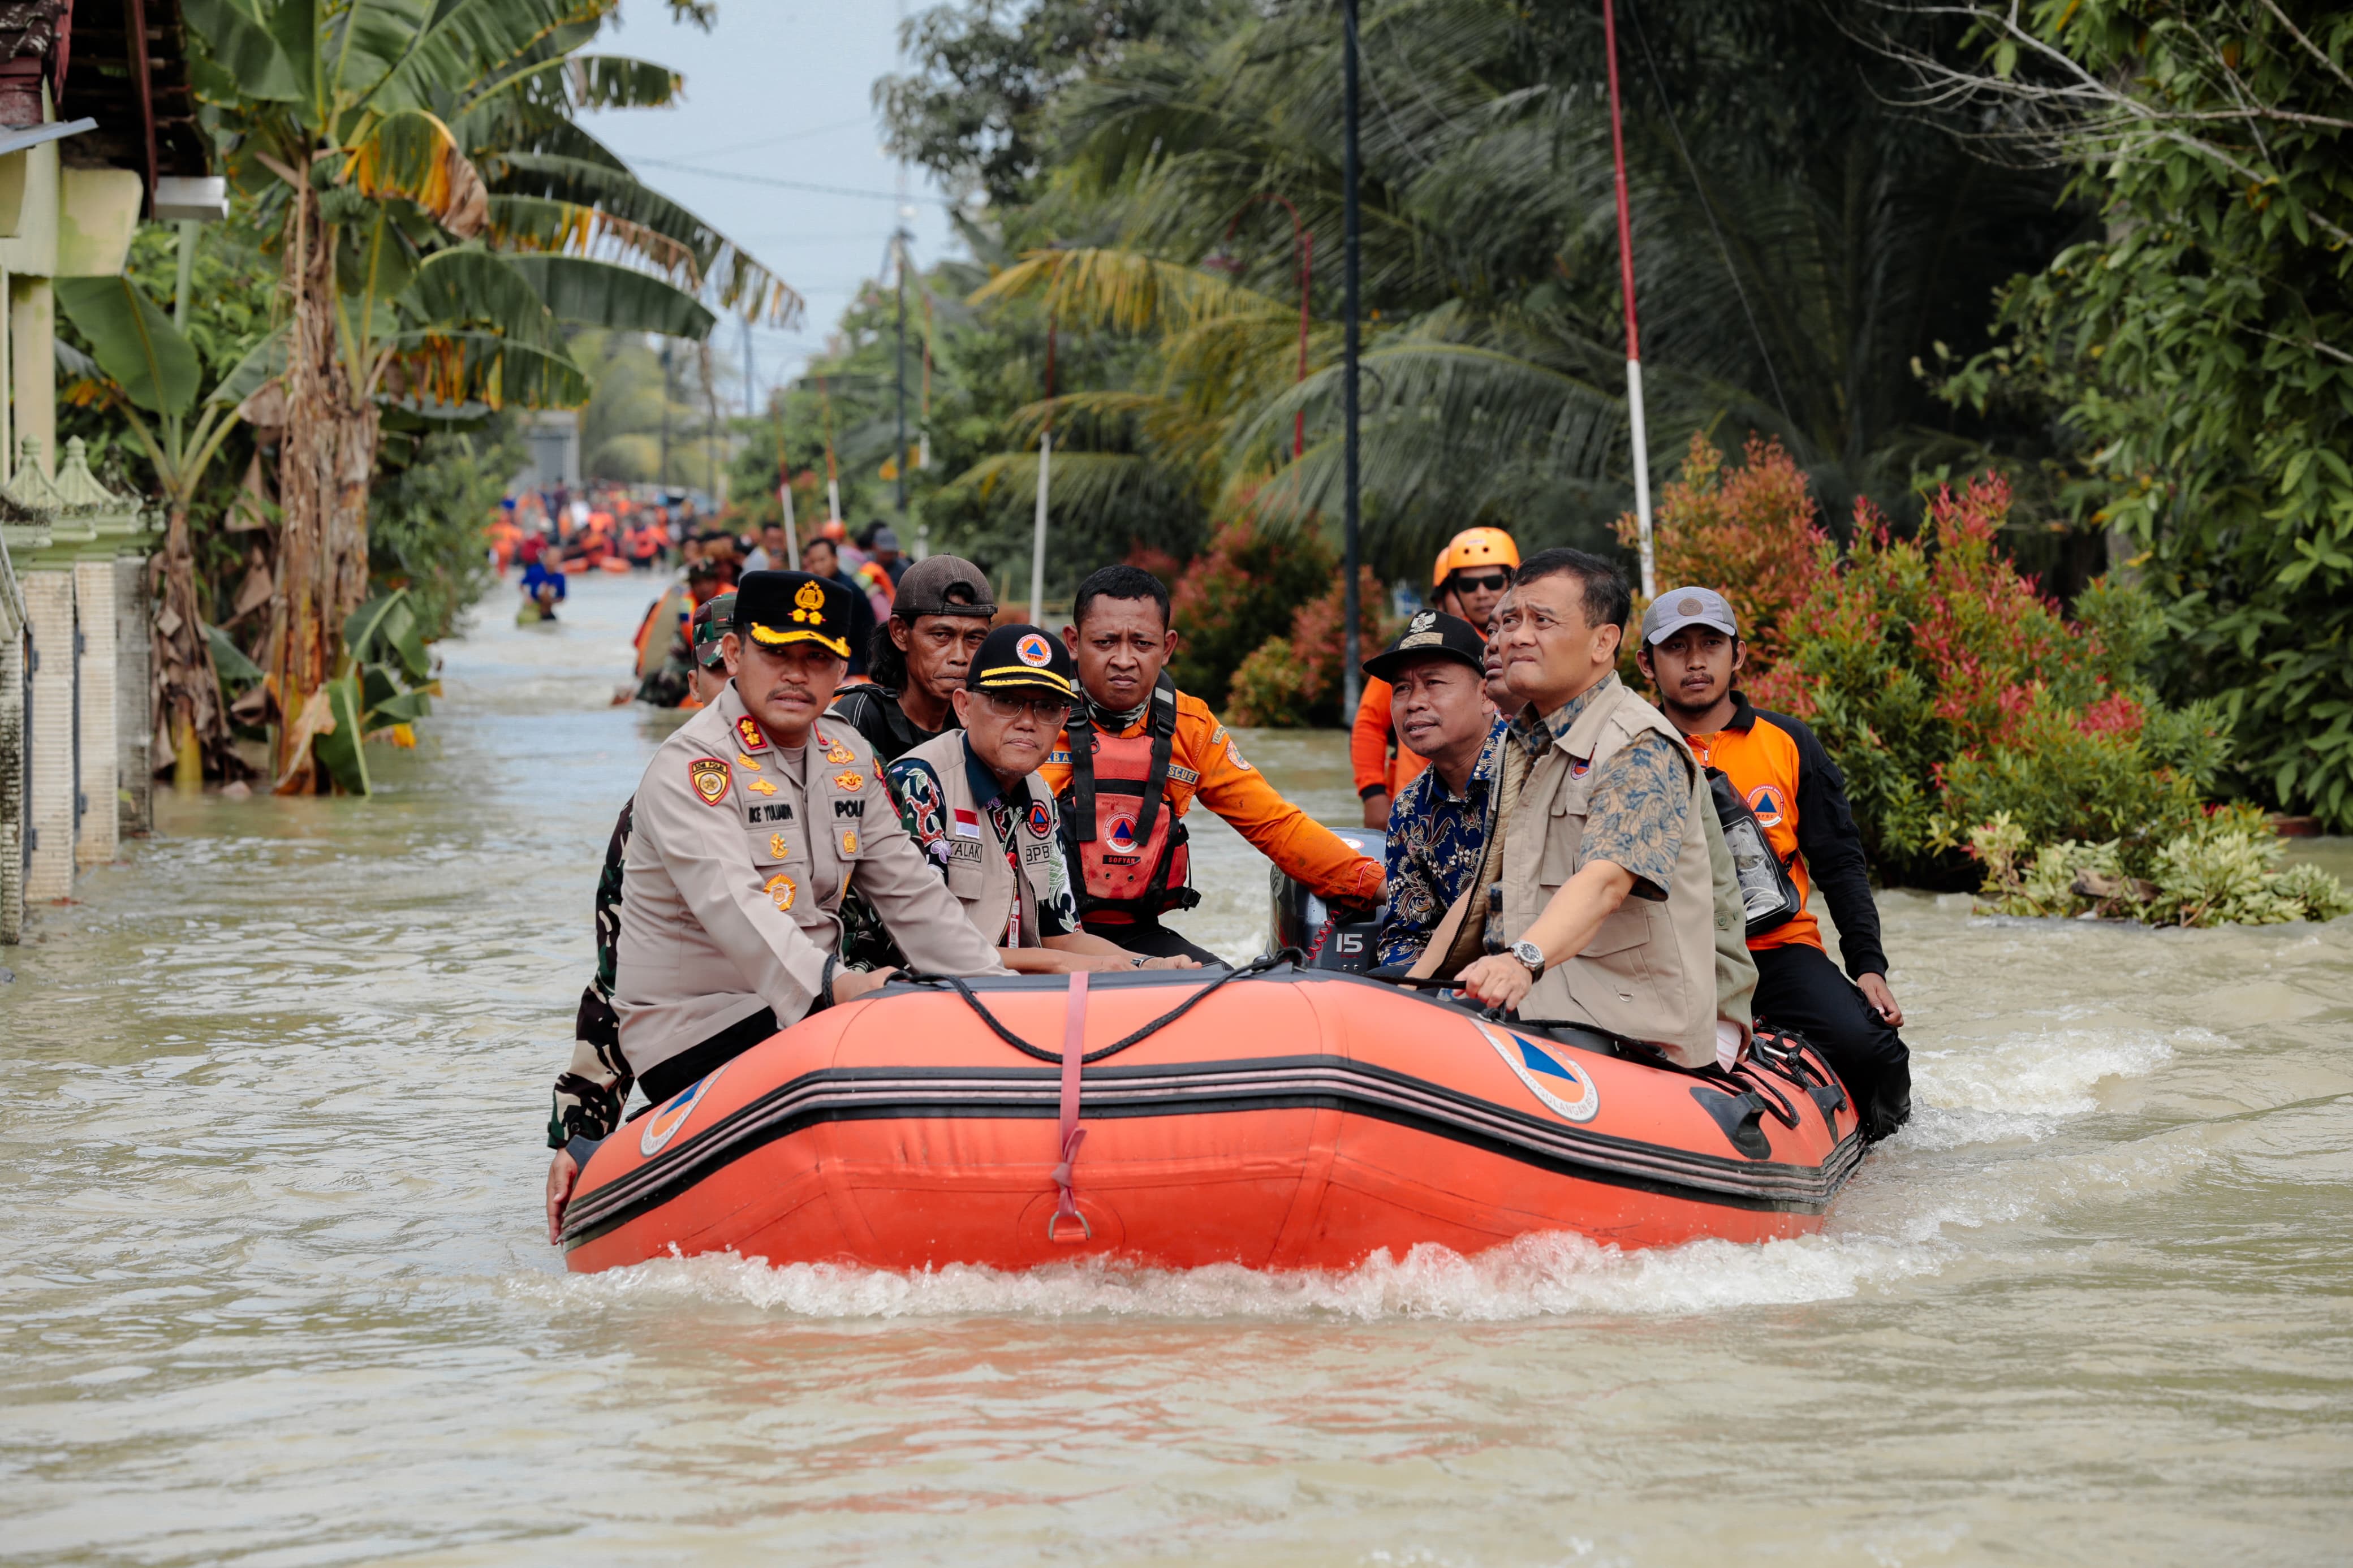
column 2224, row 869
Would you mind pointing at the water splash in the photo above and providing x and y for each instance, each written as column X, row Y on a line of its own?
column 1533, row 1277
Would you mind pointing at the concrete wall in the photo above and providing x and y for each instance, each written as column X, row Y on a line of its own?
column 135, row 700
column 15, row 761
column 49, row 609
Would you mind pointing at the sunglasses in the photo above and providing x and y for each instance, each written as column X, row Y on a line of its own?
column 1492, row 582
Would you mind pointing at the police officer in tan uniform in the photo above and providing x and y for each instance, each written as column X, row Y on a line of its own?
column 750, row 822
column 976, row 804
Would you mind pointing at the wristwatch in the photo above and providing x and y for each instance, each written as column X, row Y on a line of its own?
column 1532, row 955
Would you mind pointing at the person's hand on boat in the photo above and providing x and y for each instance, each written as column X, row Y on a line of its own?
column 563, row 1172
column 852, row 983
column 1497, row 981
column 1176, row 961
column 1882, row 1001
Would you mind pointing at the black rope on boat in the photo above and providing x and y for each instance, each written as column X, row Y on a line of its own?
column 1256, row 967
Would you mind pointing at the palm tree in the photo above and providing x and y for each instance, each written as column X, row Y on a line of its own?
column 1799, row 245
column 439, row 215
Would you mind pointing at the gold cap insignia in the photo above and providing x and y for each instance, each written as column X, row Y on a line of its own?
column 808, row 603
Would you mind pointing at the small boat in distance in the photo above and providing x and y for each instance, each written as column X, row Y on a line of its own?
column 1277, row 1117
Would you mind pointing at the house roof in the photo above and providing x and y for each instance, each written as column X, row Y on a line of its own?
column 123, row 63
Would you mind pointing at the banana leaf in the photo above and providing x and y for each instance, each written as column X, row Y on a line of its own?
column 137, row 345
column 344, row 751
column 236, row 671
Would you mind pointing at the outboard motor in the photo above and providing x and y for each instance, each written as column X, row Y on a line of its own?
column 1299, row 915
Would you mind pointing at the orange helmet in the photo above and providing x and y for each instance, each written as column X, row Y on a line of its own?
column 835, row 529
column 1471, row 548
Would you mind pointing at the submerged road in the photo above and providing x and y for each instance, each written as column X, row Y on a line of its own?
column 277, row 1292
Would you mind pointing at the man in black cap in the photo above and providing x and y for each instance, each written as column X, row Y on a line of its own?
column 973, row 800
column 748, row 827
column 1437, row 824
column 919, row 656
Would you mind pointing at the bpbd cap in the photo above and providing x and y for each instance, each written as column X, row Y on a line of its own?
column 1676, row 608
column 775, row 609
column 1019, row 657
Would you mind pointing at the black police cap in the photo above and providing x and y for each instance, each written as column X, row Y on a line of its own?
column 775, row 609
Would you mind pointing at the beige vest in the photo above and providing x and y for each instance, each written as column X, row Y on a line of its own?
column 1651, row 972
column 979, row 876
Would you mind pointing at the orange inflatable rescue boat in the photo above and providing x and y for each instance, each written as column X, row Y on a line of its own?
column 1272, row 1116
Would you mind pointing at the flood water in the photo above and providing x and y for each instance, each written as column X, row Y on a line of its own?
column 277, row 1290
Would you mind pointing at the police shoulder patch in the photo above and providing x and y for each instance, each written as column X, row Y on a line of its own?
column 710, row 777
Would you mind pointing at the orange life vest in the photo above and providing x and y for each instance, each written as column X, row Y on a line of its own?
column 1133, row 862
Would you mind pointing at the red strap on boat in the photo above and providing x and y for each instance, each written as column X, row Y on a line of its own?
column 1074, row 1047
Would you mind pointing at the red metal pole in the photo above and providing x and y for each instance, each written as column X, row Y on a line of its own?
column 1641, row 447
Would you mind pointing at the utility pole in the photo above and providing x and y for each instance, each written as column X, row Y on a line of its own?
column 1351, row 654
column 662, row 476
column 898, row 452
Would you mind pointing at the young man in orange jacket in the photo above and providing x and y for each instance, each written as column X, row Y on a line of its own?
column 1691, row 650
column 1472, row 574
column 1137, row 753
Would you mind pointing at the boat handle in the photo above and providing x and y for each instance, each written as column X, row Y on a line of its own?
column 1086, row 1231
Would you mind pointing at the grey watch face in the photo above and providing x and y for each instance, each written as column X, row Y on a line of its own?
column 1529, row 953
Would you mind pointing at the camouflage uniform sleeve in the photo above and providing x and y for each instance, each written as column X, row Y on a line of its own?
column 1640, row 799
column 1415, row 906
column 590, row 1090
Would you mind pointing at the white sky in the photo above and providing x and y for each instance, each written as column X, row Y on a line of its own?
column 779, row 89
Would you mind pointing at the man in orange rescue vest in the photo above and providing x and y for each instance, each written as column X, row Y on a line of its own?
column 1135, row 754
column 1471, row 577
column 1691, row 650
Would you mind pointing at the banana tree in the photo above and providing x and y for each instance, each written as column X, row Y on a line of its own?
column 363, row 126
column 145, row 369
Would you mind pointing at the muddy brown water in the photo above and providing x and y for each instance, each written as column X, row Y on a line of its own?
column 276, row 1291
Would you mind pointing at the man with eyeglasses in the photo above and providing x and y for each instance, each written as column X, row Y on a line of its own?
column 1473, row 574
column 973, row 802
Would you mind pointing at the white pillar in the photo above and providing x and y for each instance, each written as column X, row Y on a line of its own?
column 13, row 760
column 32, row 349
column 134, row 698
column 98, row 753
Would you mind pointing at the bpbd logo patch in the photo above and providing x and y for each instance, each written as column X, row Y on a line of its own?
column 1041, row 821
column 1546, row 1072
column 1121, row 835
column 1765, row 800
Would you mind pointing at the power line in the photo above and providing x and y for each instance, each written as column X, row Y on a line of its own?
column 776, row 184
column 778, row 140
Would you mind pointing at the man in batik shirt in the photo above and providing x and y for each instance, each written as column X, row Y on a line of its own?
column 1437, row 824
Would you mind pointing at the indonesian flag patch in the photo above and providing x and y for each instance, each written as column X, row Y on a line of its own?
column 967, row 823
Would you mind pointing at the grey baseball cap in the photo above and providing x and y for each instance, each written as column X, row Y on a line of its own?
column 944, row 585
column 1676, row 608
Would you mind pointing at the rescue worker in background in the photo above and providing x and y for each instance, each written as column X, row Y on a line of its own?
column 772, row 555
column 821, row 557
column 973, row 803
column 1135, row 754
column 694, row 672
column 1691, row 651
column 919, row 656
column 1470, row 575
column 1438, row 826
column 1605, row 873
column 748, row 825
